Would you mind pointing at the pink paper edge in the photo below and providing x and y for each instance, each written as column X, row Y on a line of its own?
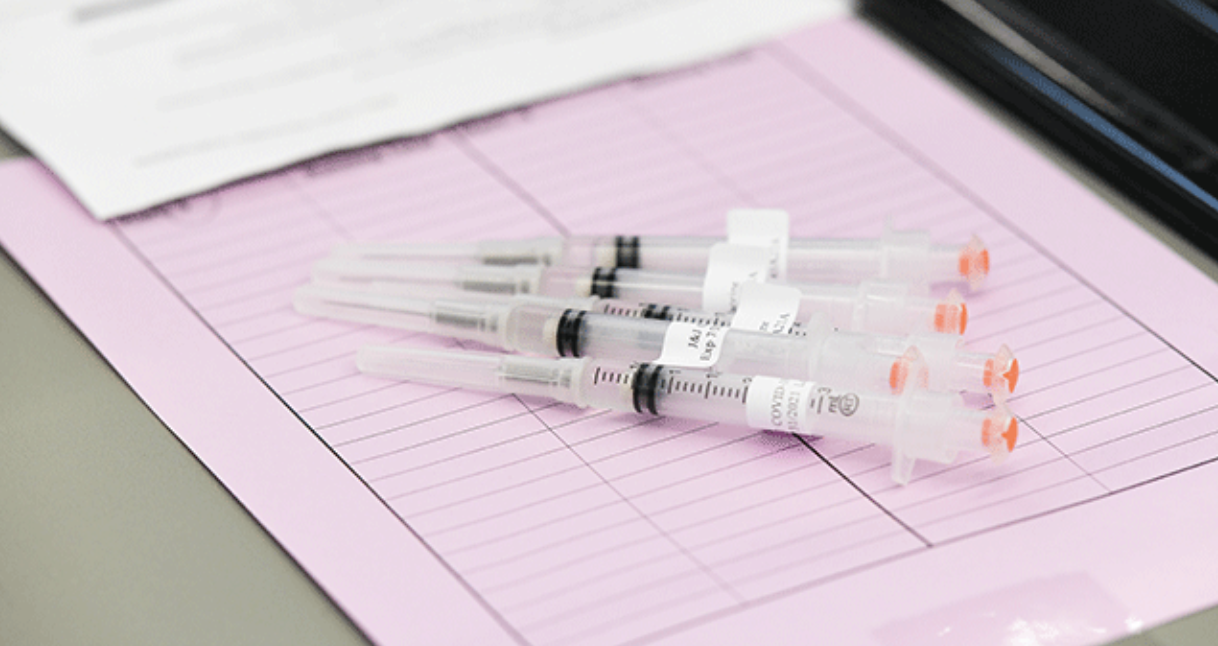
column 369, row 562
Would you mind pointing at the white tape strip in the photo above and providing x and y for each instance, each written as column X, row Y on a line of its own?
column 779, row 404
column 766, row 228
column 762, row 307
column 727, row 267
column 690, row 345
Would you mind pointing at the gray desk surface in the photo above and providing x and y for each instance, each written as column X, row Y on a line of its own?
column 111, row 532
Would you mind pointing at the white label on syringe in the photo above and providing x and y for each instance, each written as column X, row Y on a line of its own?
column 767, row 228
column 762, row 307
column 779, row 404
column 727, row 267
column 789, row 405
column 691, row 345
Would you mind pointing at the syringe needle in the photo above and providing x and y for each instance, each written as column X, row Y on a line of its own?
column 916, row 424
column 482, row 318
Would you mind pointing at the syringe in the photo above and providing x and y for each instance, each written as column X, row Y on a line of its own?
column 907, row 256
column 885, row 308
column 916, row 424
column 574, row 327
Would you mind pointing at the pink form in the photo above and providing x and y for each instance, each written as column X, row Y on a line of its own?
column 432, row 514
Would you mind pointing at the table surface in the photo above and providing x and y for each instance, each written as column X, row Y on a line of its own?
column 114, row 533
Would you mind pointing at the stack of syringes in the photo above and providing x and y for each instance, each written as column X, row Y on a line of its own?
column 845, row 343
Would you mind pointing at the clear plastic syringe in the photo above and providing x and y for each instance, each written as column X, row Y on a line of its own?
column 569, row 327
column 916, row 424
column 907, row 256
column 885, row 308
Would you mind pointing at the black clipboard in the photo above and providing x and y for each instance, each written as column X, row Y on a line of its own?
column 1129, row 88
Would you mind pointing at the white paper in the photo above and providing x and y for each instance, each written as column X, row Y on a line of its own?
column 137, row 102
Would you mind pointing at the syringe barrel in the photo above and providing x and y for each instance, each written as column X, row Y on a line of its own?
column 884, row 308
column 800, row 406
column 906, row 257
column 755, row 353
column 899, row 256
column 834, row 261
column 578, row 333
column 586, row 334
column 824, row 355
column 624, row 339
column 673, row 392
column 872, row 361
column 615, row 307
column 871, row 306
column 921, row 424
column 881, row 308
column 888, row 308
column 674, row 254
column 679, row 290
